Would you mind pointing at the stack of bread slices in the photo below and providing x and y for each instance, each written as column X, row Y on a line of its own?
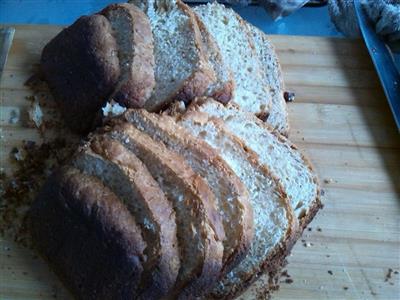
column 195, row 189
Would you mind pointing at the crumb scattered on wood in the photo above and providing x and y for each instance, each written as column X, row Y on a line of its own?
column 309, row 229
column 289, row 96
column 319, row 229
column 328, row 180
column 35, row 114
column 330, row 272
column 388, row 274
column 345, row 288
column 34, row 163
column 289, row 280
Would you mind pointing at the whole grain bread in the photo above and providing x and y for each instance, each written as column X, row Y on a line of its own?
column 88, row 236
column 132, row 31
column 282, row 157
column 199, row 226
column 182, row 71
column 82, row 78
column 275, row 225
column 232, row 197
column 122, row 172
column 278, row 117
column 238, row 51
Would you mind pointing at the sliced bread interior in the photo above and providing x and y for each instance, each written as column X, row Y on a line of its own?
column 181, row 69
column 276, row 152
column 238, row 51
column 132, row 31
column 88, row 236
column 232, row 197
column 278, row 117
column 122, row 172
column 199, row 226
column 223, row 87
column 274, row 221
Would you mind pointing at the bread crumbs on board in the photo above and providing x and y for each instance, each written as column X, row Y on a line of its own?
column 31, row 162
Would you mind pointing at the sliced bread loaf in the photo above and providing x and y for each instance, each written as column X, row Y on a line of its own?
column 181, row 69
column 278, row 117
column 232, row 197
column 123, row 173
column 274, row 221
column 274, row 151
column 132, row 31
column 199, row 226
column 238, row 51
column 88, row 236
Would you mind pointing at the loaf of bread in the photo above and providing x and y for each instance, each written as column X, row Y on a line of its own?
column 190, row 203
column 110, row 56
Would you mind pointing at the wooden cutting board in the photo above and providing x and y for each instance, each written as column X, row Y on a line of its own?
column 342, row 121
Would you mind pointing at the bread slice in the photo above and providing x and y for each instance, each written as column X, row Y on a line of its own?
column 181, row 69
column 199, row 227
column 132, row 31
column 276, row 152
column 88, row 236
column 223, row 88
column 231, row 195
column 122, row 172
column 81, row 67
column 278, row 117
column 238, row 51
column 274, row 221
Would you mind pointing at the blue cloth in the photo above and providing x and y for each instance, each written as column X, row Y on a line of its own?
column 306, row 21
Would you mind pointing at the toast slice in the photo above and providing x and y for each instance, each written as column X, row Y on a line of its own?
column 238, row 51
column 132, row 31
column 181, row 69
column 123, row 173
column 76, row 222
column 282, row 157
column 199, row 226
column 278, row 117
column 274, row 220
column 231, row 195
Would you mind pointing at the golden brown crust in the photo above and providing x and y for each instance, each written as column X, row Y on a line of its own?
column 136, row 87
column 78, row 224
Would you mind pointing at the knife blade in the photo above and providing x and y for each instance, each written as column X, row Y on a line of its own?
column 383, row 61
column 6, row 37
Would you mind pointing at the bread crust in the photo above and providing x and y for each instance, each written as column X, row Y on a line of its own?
column 156, row 155
column 134, row 90
column 162, row 264
column 76, row 223
column 171, row 134
column 82, row 78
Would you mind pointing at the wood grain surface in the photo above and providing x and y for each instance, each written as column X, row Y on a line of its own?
column 342, row 121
